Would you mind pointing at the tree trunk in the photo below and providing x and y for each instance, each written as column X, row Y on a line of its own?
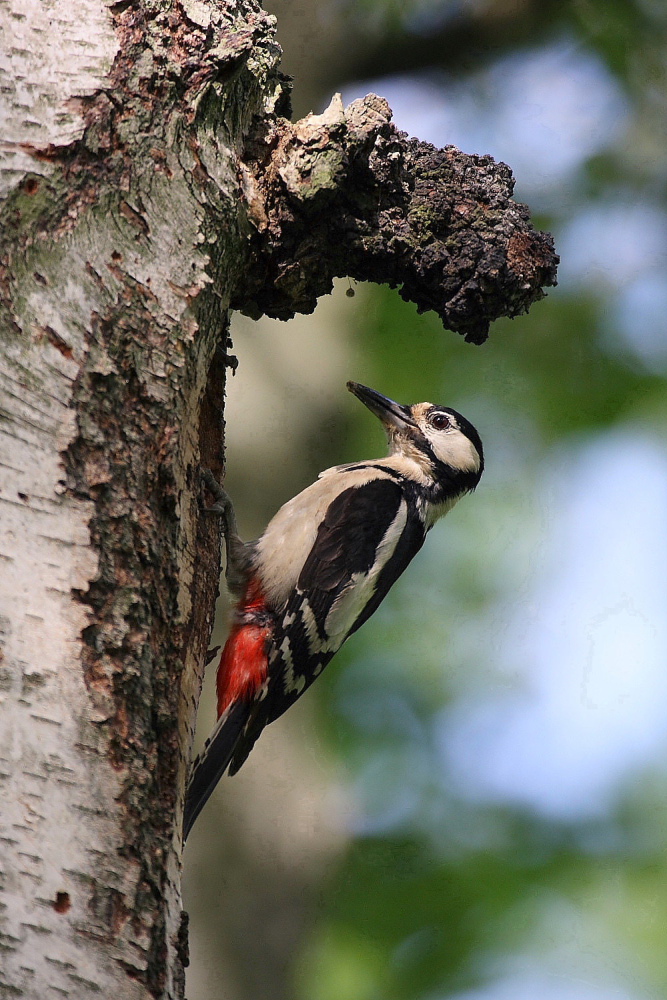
column 149, row 183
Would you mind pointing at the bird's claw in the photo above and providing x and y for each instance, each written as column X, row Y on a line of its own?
column 222, row 499
column 211, row 654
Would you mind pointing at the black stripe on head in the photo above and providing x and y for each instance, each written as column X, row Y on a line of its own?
column 448, row 481
column 375, row 465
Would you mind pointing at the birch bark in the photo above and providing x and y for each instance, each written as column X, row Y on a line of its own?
column 147, row 181
column 118, row 202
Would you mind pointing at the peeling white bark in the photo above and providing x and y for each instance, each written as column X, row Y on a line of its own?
column 58, row 817
column 66, row 891
column 67, row 888
column 51, row 54
column 53, row 768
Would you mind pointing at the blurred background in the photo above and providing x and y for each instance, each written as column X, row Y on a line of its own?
column 471, row 803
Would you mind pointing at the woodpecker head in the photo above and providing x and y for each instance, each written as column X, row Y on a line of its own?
column 444, row 445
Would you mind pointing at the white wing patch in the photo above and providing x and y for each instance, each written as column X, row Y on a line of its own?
column 310, row 625
column 351, row 602
column 291, row 680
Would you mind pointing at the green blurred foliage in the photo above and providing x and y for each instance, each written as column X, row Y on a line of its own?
column 437, row 891
column 440, row 892
column 419, row 910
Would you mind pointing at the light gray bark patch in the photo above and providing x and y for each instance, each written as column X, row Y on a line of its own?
column 39, row 89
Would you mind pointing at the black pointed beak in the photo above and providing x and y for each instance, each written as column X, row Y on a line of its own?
column 393, row 415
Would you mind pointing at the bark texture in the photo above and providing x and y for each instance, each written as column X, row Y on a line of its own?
column 148, row 183
column 346, row 194
column 121, row 241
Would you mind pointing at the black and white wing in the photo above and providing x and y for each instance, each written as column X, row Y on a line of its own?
column 368, row 536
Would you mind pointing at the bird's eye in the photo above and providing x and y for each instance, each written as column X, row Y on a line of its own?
column 440, row 421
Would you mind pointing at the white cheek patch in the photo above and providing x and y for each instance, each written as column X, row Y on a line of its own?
column 456, row 450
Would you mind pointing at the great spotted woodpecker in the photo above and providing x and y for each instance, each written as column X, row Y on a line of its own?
column 322, row 567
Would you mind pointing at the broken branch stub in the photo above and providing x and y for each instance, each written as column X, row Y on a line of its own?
column 345, row 194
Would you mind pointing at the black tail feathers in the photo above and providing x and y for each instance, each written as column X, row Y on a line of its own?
column 212, row 762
